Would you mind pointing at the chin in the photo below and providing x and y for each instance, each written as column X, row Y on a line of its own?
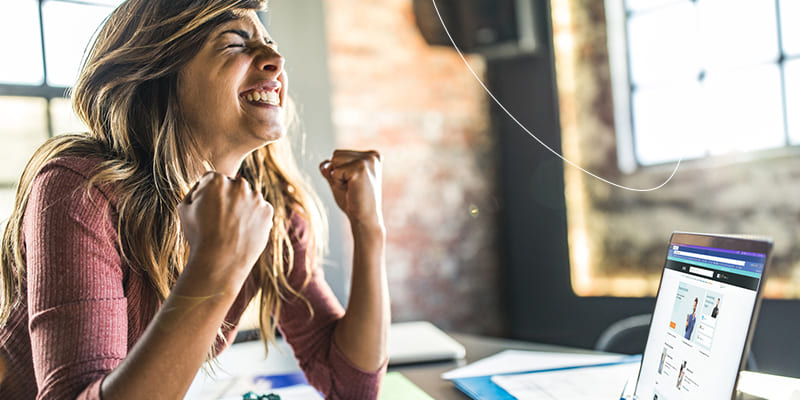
column 270, row 135
column 277, row 133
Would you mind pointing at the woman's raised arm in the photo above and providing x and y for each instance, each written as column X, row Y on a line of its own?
column 226, row 224
column 355, row 180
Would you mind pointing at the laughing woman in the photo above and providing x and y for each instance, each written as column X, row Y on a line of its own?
column 126, row 263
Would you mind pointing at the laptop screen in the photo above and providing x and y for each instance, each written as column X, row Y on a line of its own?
column 706, row 305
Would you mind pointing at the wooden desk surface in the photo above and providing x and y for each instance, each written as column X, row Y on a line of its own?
column 427, row 376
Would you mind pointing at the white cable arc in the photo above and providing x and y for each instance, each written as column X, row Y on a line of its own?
column 489, row 92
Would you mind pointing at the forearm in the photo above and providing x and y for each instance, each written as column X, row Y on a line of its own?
column 172, row 349
column 362, row 333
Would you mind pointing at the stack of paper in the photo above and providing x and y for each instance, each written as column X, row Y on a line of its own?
column 545, row 375
column 588, row 383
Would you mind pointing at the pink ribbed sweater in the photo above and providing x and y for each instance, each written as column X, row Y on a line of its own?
column 85, row 308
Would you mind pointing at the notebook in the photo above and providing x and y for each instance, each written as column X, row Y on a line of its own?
column 704, row 318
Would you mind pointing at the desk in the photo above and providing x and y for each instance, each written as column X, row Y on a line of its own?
column 245, row 358
column 426, row 376
column 761, row 386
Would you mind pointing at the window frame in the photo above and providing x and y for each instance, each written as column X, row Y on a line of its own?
column 623, row 88
column 44, row 90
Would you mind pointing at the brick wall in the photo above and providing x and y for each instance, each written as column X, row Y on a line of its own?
column 420, row 107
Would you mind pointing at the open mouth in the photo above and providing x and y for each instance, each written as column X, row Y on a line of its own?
column 269, row 97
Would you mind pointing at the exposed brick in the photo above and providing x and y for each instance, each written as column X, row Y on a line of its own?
column 428, row 116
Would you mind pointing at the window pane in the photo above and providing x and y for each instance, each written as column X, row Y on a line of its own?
column 666, row 123
column 68, row 29
column 24, row 128
column 744, row 109
column 20, row 43
column 112, row 3
column 64, row 119
column 790, row 29
column 792, row 77
column 640, row 5
column 662, row 44
column 6, row 205
column 737, row 32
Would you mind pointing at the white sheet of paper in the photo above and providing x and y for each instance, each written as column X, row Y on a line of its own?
column 589, row 383
column 769, row 386
column 520, row 361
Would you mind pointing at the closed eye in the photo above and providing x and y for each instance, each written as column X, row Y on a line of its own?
column 235, row 38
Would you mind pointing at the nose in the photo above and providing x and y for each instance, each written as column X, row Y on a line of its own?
column 270, row 60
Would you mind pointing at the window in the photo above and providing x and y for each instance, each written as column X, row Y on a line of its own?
column 43, row 41
column 702, row 85
column 704, row 77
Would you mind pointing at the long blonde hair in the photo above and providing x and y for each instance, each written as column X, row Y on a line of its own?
column 127, row 96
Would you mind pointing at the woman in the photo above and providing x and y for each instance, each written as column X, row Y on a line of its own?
column 126, row 264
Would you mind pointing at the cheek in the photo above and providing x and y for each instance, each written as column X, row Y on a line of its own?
column 209, row 101
column 188, row 105
column 284, row 80
column 191, row 91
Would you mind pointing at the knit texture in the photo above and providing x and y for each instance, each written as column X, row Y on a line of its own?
column 84, row 308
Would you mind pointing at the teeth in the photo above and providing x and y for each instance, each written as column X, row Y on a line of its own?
column 264, row 97
column 270, row 97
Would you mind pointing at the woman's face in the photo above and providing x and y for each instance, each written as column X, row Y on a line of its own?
column 232, row 93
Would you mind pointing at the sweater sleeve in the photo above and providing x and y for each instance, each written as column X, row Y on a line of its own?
column 311, row 338
column 77, row 309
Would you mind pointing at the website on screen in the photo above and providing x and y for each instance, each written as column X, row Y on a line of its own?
column 700, row 323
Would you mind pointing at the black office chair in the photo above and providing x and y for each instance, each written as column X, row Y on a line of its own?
column 626, row 336
column 629, row 336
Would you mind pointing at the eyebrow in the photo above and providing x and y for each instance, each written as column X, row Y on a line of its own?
column 244, row 34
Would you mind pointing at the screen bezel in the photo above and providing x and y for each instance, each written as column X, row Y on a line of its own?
column 730, row 242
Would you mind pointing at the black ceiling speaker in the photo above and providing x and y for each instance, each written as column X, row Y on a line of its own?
column 490, row 27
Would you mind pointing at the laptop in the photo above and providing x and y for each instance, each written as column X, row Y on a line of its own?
column 704, row 318
column 421, row 342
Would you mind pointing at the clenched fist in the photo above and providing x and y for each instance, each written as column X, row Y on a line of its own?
column 355, row 179
column 227, row 223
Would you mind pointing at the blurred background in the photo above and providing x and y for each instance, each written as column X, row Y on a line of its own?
column 489, row 232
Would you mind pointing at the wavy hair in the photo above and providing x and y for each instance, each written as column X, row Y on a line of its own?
column 127, row 96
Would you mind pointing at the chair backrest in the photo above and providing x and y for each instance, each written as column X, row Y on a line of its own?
column 626, row 336
column 629, row 336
